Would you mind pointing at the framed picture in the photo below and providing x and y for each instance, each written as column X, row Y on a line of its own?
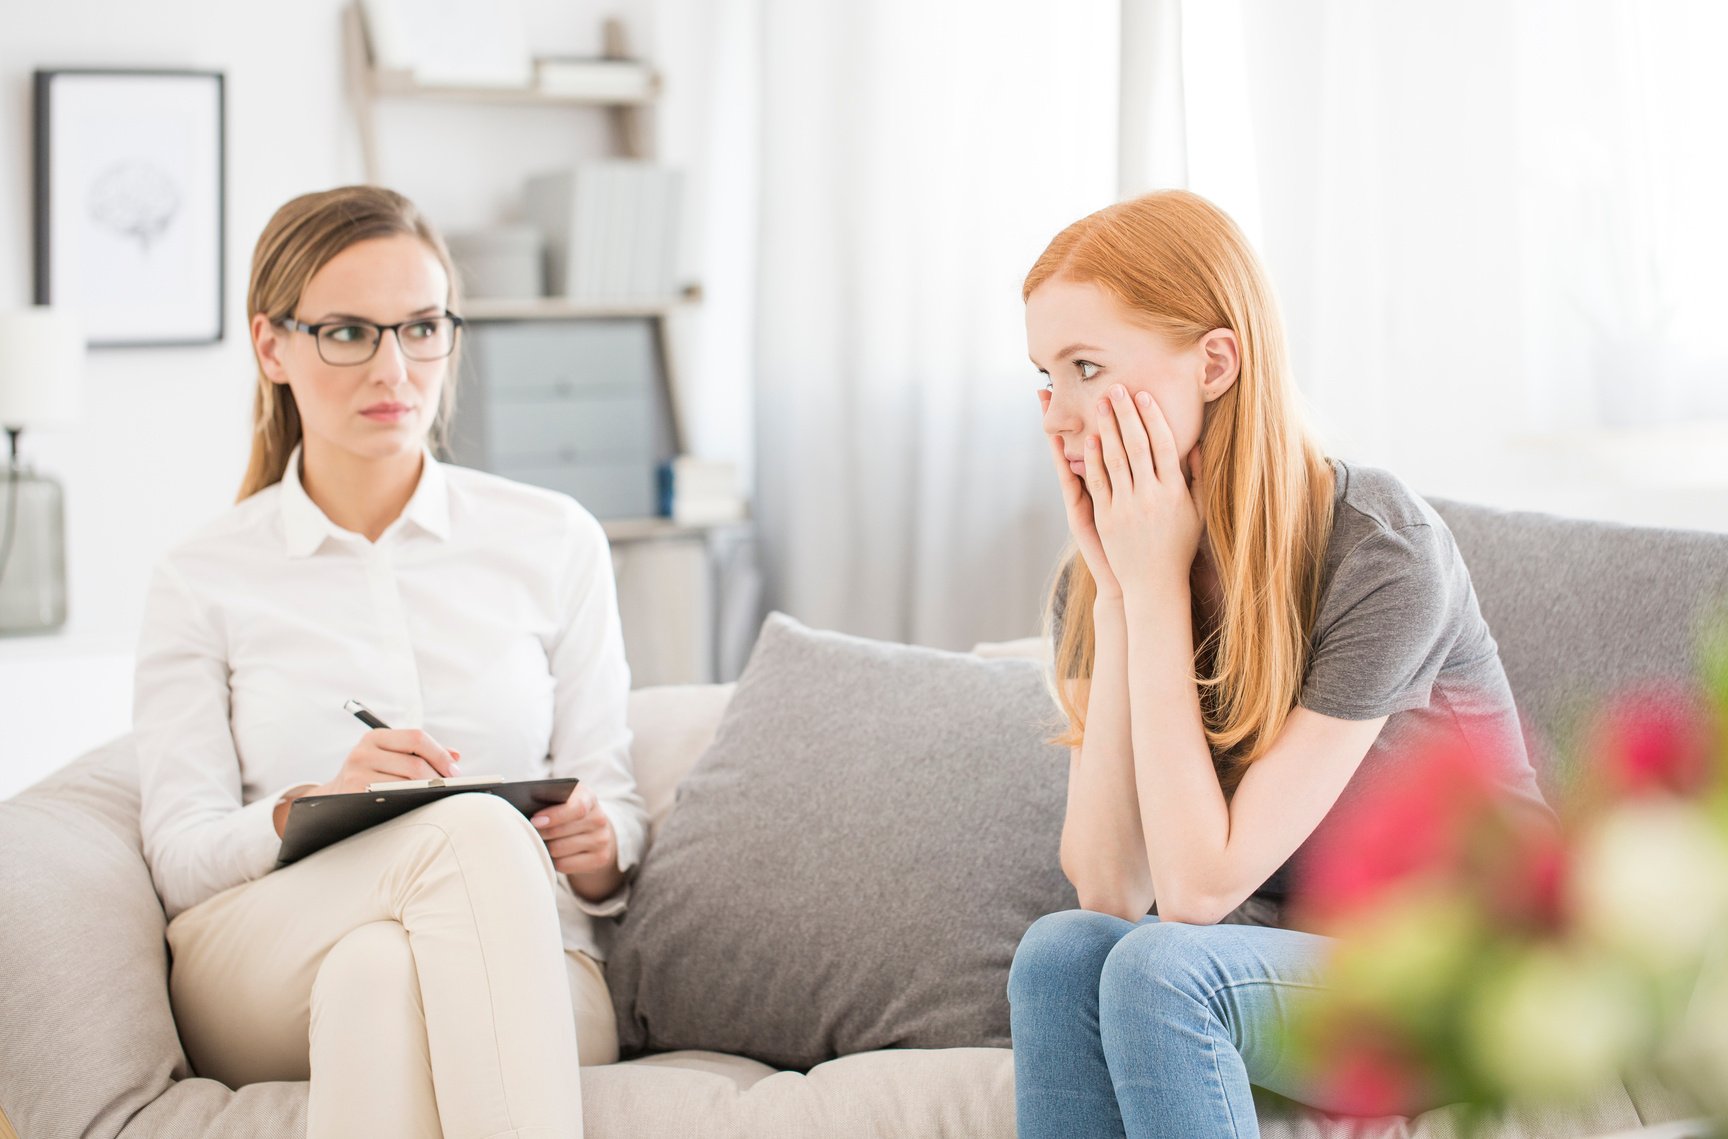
column 129, row 203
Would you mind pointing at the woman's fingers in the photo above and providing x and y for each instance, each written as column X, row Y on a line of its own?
column 1115, row 456
column 1135, row 444
column 583, row 828
column 413, row 741
column 1097, row 481
column 390, row 765
column 579, row 815
column 574, row 847
column 1164, row 456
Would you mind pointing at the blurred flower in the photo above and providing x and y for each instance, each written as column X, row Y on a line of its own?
column 1653, row 740
column 1484, row 954
column 1408, row 830
column 1370, row 1078
column 1555, row 1024
column 1410, row 955
column 1698, row 1051
column 1652, row 883
column 1529, row 889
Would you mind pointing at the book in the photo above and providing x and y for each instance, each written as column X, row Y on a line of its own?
column 611, row 229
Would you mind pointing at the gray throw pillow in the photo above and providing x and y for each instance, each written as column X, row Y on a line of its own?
column 852, row 862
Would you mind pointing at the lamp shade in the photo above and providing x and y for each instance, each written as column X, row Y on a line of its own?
column 41, row 367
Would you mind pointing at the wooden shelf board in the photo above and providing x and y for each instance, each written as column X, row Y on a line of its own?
column 636, row 529
column 399, row 84
column 557, row 308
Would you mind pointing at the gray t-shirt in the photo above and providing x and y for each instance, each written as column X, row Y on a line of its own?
column 1399, row 634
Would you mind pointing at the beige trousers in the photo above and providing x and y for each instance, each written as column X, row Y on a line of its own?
column 416, row 973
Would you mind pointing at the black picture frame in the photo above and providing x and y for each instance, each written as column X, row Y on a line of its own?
column 130, row 200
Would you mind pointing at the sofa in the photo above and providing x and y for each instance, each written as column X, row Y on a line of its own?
column 88, row 1045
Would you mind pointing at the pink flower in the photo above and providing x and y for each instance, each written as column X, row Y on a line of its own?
column 1528, row 888
column 1366, row 1075
column 1653, row 740
column 1417, row 825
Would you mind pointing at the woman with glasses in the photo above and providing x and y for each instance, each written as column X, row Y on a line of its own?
column 436, row 975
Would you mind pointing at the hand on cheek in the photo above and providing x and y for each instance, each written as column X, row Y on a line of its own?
column 1146, row 513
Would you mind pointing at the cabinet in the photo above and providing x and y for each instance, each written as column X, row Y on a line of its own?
column 574, row 405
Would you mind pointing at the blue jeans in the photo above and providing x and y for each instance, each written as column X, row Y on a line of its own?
column 1152, row 1028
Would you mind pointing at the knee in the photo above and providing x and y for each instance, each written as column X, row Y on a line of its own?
column 486, row 817
column 366, row 964
column 497, row 836
column 1160, row 961
column 1062, row 951
column 481, row 820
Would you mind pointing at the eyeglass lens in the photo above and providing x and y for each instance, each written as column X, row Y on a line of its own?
column 431, row 339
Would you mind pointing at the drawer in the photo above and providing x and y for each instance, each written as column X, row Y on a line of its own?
column 578, row 428
column 608, row 490
column 557, row 357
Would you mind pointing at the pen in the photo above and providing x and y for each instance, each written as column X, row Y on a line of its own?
column 364, row 714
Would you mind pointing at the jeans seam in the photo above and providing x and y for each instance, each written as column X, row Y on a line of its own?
column 1218, row 1079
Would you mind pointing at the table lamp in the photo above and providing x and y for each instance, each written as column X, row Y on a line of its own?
column 41, row 364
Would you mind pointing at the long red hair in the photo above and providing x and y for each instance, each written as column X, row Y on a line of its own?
column 1182, row 268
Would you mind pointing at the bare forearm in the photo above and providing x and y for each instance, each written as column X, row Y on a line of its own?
column 1103, row 852
column 1185, row 819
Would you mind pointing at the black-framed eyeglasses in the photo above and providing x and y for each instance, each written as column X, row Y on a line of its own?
column 348, row 341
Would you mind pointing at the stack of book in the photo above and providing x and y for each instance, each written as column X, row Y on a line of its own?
column 696, row 492
column 611, row 229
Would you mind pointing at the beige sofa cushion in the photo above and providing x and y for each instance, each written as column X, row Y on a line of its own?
column 673, row 726
column 87, row 1041
column 968, row 1093
column 950, row 1093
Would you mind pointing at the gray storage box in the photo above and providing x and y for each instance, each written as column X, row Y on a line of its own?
column 507, row 263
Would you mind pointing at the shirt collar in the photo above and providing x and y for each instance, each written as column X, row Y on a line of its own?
column 305, row 526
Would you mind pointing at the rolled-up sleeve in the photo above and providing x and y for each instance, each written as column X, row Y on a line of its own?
column 199, row 839
column 591, row 693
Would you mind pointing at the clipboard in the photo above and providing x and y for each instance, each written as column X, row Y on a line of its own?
column 317, row 821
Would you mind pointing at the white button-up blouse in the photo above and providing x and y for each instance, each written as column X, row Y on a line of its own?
column 486, row 614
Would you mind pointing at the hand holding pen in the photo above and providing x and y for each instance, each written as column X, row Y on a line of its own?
column 385, row 754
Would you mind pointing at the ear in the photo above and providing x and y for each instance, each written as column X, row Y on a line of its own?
column 268, row 342
column 1223, row 363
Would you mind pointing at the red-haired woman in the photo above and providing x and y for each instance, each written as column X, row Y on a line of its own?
column 1246, row 634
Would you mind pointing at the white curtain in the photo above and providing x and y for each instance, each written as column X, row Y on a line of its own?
column 916, row 158
column 1488, row 220
column 1495, row 227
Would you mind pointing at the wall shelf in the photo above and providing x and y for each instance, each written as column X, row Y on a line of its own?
column 368, row 83
column 402, row 84
column 558, row 308
column 649, row 529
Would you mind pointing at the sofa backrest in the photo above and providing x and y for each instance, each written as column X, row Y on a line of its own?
column 1583, row 609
